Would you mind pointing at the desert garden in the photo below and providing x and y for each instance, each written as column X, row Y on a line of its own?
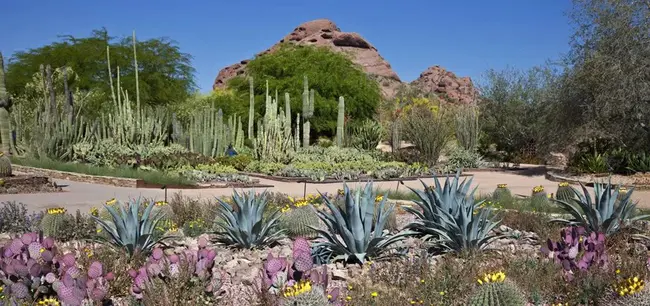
column 406, row 224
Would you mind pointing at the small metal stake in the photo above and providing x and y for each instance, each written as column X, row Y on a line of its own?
column 165, row 188
column 304, row 190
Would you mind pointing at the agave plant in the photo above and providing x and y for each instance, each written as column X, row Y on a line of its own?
column 246, row 227
column 351, row 234
column 128, row 230
column 434, row 199
column 603, row 214
column 452, row 218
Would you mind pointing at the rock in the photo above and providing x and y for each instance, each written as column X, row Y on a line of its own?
column 325, row 33
column 447, row 85
column 558, row 160
column 337, row 274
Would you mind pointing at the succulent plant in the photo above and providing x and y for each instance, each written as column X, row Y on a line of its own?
column 501, row 193
column 296, row 222
column 5, row 164
column 53, row 221
column 602, row 215
column 577, row 249
column 314, row 296
column 247, row 226
column 164, row 266
column 448, row 217
column 129, row 231
column 565, row 192
column 31, row 269
column 359, row 236
column 503, row 293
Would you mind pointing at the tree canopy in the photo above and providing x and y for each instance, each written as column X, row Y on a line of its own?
column 330, row 74
column 165, row 73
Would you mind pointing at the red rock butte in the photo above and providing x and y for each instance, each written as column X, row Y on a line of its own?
column 325, row 33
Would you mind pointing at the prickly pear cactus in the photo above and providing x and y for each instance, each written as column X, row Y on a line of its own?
column 5, row 165
column 53, row 221
column 565, row 193
column 297, row 221
column 306, row 295
column 498, row 294
column 501, row 193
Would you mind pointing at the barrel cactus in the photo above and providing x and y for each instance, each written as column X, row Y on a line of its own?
column 565, row 192
column 622, row 193
column 297, row 220
column 501, row 193
column 5, row 165
column 630, row 291
column 53, row 221
column 494, row 290
column 304, row 294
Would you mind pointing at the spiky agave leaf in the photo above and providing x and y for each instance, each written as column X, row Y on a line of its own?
column 247, row 227
column 127, row 230
column 602, row 214
column 439, row 197
column 349, row 233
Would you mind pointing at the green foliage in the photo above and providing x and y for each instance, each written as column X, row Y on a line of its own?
column 195, row 228
column 165, row 73
column 429, row 130
column 274, row 141
column 239, row 161
column 467, row 129
column 446, row 215
column 366, row 136
column 154, row 177
column 498, row 294
column 605, row 214
column 244, row 225
column 360, row 237
column 129, row 230
column 297, row 221
column 15, row 219
column 330, row 74
column 66, row 227
column 593, row 163
column 464, row 159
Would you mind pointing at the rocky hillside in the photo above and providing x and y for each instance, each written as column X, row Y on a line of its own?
column 323, row 32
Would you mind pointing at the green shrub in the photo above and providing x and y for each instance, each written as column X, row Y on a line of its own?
column 239, row 162
column 367, row 135
column 15, row 219
column 331, row 74
column 195, row 228
column 463, row 159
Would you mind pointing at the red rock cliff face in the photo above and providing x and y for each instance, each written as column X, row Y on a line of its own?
column 323, row 32
column 447, row 85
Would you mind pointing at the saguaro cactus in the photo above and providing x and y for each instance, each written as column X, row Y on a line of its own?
column 5, row 130
column 340, row 122
column 307, row 111
column 287, row 112
column 251, row 108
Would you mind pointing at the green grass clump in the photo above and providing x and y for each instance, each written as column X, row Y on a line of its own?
column 152, row 177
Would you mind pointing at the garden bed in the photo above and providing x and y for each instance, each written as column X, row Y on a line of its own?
column 639, row 181
column 28, row 184
column 287, row 179
column 253, row 184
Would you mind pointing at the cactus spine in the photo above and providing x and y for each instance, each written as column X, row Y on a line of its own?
column 307, row 111
column 340, row 122
column 297, row 221
column 251, row 108
column 565, row 193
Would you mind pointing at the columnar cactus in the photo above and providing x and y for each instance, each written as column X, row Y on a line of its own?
column 5, row 165
column 307, row 111
column 5, row 103
column 340, row 122
column 251, row 108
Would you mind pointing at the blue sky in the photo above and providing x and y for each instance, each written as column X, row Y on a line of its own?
column 467, row 37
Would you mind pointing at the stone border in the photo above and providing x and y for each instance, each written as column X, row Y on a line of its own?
column 555, row 177
column 287, row 179
column 78, row 177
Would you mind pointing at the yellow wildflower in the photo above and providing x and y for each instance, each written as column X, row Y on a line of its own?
column 563, row 184
column 538, row 189
column 56, row 211
column 111, row 202
column 492, row 278
column 374, row 294
column 94, row 211
column 502, row 186
column 160, row 203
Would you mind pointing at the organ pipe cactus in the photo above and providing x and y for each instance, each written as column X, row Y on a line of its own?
column 307, row 111
column 251, row 108
column 340, row 122
column 5, row 103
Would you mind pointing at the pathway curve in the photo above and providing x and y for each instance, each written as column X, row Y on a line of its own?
column 83, row 196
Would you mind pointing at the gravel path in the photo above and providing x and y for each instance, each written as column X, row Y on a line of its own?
column 83, row 196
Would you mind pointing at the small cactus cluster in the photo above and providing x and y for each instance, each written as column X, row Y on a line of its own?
column 494, row 290
column 574, row 242
column 565, row 193
column 31, row 271
column 161, row 265
column 5, row 165
column 297, row 282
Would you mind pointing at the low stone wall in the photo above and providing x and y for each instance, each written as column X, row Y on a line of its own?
column 78, row 177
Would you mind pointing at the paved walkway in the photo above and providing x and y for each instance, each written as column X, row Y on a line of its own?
column 83, row 196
